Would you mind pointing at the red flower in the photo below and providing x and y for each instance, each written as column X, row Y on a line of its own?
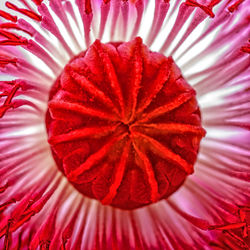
column 123, row 124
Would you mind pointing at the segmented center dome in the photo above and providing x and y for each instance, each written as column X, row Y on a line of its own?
column 123, row 124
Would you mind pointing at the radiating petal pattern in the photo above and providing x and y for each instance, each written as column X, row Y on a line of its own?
column 208, row 40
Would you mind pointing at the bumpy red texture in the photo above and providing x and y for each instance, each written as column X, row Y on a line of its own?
column 123, row 124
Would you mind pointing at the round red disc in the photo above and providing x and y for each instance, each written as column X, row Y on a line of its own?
column 123, row 124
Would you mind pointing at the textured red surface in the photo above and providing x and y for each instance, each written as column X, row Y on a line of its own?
column 123, row 124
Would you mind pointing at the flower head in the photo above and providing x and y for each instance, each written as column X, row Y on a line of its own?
column 101, row 128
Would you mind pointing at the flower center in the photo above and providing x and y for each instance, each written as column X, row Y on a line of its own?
column 123, row 124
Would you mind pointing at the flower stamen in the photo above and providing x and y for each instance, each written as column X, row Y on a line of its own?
column 8, row 101
column 206, row 9
column 235, row 5
column 29, row 13
column 8, row 16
